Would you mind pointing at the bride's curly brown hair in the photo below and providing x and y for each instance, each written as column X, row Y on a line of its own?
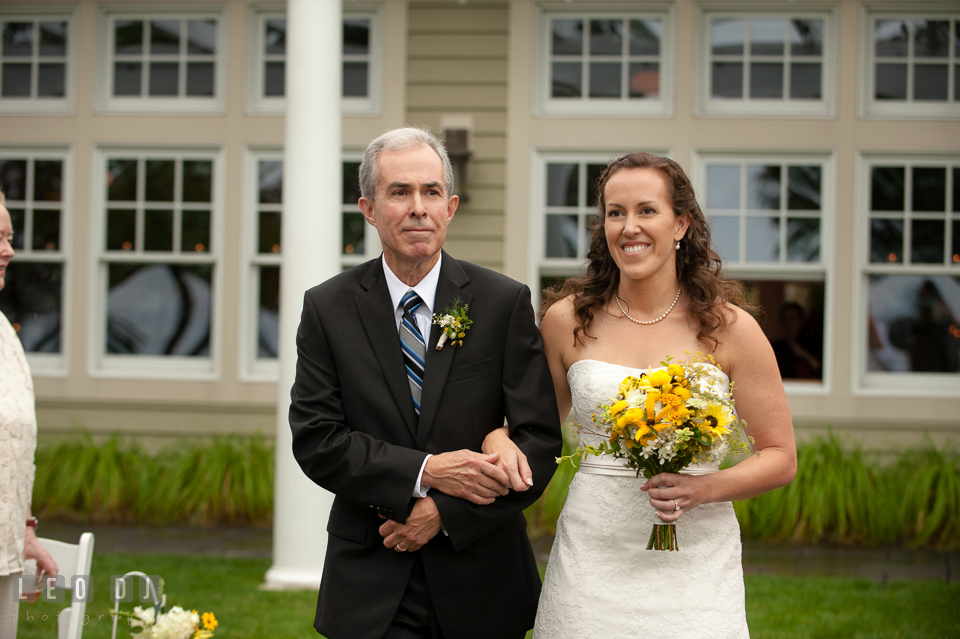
column 698, row 265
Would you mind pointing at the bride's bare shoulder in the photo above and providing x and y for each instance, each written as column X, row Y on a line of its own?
column 561, row 315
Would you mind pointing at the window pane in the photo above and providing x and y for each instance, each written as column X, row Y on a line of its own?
column 763, row 239
column 128, row 37
column 567, row 37
column 561, row 236
column 275, row 38
column 31, row 298
column 955, row 242
column 605, row 79
column 606, row 37
column 725, row 232
column 121, row 229
column 356, row 37
column 886, row 241
column 930, row 82
column 767, row 36
column 18, row 39
column 273, row 80
column 886, row 188
column 926, row 243
column 913, row 323
column 164, row 78
column 53, row 38
column 593, row 180
column 269, row 313
column 46, row 230
column 159, row 186
column 562, row 184
column 47, row 180
column 803, row 188
column 159, row 309
column 164, row 37
column 17, row 219
column 929, row 191
column 723, row 186
column 355, row 79
column 956, row 189
column 200, row 79
column 13, row 179
column 353, row 232
column 271, row 181
column 805, row 81
column 806, row 37
column 766, row 80
column 268, row 235
column 644, row 79
column 157, row 230
column 122, row 180
column 195, row 232
column 763, row 188
column 727, row 80
column 803, row 240
column 726, row 36
column 351, row 182
column 16, row 81
column 201, row 37
column 567, row 80
column 890, row 37
column 197, row 176
column 792, row 319
column 931, row 38
column 127, row 78
column 645, row 37
column 51, row 80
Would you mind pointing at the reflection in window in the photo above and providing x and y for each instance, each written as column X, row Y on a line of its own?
column 913, row 61
column 33, row 59
column 32, row 296
column 571, row 197
column 791, row 314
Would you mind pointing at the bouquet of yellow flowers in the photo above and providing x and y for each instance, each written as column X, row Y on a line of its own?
column 663, row 421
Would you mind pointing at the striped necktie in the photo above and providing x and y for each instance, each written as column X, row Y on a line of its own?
column 413, row 345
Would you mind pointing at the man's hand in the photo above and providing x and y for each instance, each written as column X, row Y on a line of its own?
column 512, row 460
column 422, row 525
column 467, row 475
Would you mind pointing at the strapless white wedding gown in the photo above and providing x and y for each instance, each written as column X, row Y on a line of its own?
column 602, row 582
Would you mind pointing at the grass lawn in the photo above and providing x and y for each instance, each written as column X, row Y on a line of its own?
column 777, row 606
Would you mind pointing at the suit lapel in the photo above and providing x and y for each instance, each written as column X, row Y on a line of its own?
column 452, row 279
column 380, row 324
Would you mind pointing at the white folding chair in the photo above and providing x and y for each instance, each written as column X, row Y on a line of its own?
column 72, row 559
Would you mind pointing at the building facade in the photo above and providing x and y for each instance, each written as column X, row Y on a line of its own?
column 141, row 153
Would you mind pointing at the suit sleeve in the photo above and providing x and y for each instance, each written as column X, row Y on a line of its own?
column 530, row 407
column 343, row 460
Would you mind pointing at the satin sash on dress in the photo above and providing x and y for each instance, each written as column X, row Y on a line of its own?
column 607, row 465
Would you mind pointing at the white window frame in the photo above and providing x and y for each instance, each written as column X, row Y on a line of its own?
column 258, row 104
column 101, row 364
column 252, row 367
column 873, row 108
column 867, row 383
column 107, row 103
column 784, row 270
column 52, row 364
column 708, row 106
column 44, row 106
column 546, row 105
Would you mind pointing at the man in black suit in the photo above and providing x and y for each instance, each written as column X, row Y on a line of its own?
column 426, row 536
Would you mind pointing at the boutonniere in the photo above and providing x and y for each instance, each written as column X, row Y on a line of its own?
column 453, row 322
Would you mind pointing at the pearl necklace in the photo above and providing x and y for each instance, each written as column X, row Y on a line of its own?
column 633, row 319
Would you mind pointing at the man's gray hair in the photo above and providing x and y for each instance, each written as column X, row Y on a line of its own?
column 401, row 140
column 3, row 198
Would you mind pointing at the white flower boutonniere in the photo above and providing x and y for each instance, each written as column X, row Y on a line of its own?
column 453, row 322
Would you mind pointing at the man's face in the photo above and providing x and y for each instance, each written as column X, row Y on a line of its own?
column 412, row 208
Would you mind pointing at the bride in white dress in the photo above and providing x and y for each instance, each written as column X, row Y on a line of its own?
column 652, row 289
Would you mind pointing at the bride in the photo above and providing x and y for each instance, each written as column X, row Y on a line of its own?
column 653, row 288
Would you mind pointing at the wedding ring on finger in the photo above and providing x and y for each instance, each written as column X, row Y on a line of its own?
column 677, row 505
column 399, row 549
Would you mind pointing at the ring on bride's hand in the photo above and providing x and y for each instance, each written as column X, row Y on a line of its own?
column 677, row 505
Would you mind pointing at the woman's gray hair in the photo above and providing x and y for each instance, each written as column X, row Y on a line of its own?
column 401, row 140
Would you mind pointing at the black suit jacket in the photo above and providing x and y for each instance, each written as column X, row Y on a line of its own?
column 356, row 434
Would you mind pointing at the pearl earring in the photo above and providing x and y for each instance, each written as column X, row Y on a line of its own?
column 678, row 245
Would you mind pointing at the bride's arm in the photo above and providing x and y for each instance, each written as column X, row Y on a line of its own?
column 557, row 331
column 762, row 404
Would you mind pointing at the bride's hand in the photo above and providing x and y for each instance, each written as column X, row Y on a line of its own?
column 672, row 495
column 512, row 460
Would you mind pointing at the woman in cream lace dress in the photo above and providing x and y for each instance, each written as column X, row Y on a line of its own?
column 652, row 289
